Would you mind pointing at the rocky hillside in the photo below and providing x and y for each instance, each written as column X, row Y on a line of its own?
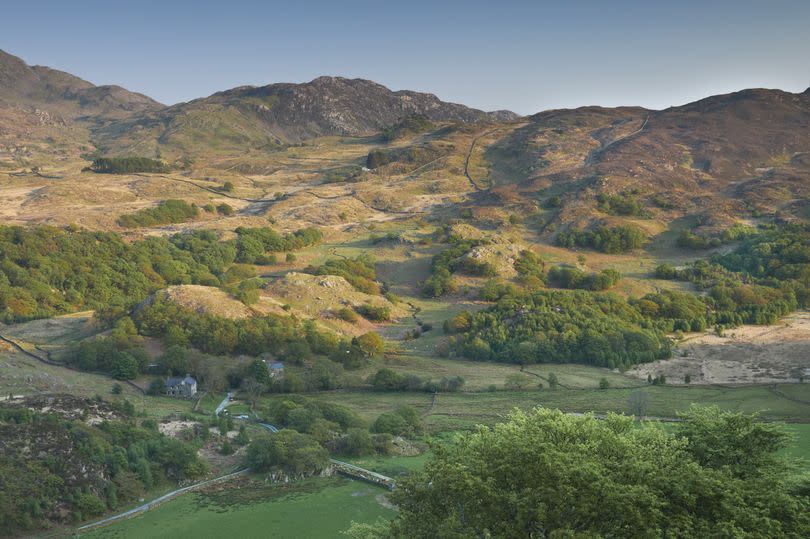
column 716, row 160
column 63, row 94
column 267, row 116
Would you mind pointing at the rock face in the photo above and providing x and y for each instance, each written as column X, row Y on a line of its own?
column 287, row 113
column 65, row 94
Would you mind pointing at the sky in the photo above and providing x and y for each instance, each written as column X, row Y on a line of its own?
column 525, row 56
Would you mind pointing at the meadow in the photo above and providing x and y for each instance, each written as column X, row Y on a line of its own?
column 315, row 508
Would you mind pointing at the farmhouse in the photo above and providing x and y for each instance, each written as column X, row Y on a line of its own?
column 181, row 387
column 276, row 369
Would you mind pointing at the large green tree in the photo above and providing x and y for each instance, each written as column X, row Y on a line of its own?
column 548, row 474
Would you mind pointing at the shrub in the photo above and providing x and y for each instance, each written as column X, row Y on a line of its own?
column 375, row 313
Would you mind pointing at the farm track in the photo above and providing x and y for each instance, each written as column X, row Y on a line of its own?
column 467, row 162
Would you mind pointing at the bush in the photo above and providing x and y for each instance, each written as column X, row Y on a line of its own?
column 391, row 423
column 347, row 314
column 375, row 313
column 225, row 209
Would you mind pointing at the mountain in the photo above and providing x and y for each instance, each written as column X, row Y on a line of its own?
column 64, row 94
column 254, row 117
column 716, row 160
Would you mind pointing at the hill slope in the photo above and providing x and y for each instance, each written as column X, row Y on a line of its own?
column 64, row 94
column 261, row 117
column 717, row 159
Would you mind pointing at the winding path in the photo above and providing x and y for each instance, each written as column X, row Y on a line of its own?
column 467, row 162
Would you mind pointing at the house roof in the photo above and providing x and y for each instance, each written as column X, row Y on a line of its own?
column 278, row 365
column 180, row 381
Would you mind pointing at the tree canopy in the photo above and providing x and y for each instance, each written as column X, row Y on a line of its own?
column 548, row 474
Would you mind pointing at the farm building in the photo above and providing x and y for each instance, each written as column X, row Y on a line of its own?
column 276, row 369
column 181, row 386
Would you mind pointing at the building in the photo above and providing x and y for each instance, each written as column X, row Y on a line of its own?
column 276, row 369
column 181, row 387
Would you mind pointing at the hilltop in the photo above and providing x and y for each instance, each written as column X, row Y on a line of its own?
column 270, row 116
column 64, row 94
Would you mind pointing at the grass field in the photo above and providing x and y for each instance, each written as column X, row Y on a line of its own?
column 315, row 508
column 455, row 411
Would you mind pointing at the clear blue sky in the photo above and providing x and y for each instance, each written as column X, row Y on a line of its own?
column 525, row 56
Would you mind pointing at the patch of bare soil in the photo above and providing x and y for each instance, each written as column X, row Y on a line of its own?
column 745, row 355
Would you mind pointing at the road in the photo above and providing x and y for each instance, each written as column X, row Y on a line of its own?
column 224, row 403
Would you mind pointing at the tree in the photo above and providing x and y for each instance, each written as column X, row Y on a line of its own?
column 252, row 389
column 548, row 474
column 358, row 442
column 553, row 382
column 288, row 451
column 637, row 403
column 391, row 423
column 603, row 383
column 174, row 360
column 370, row 343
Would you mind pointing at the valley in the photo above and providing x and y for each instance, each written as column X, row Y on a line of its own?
column 377, row 274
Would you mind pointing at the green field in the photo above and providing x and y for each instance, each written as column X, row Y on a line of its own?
column 801, row 444
column 454, row 411
column 316, row 508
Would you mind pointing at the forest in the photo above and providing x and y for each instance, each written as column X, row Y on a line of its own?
column 128, row 165
column 80, row 471
column 46, row 271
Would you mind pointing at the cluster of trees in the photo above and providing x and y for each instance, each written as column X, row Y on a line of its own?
column 613, row 240
column 49, row 465
column 45, row 271
column 216, row 335
column 717, row 474
column 352, row 173
column 689, row 240
column 360, row 272
column 766, row 277
column 620, row 204
column 409, row 125
column 127, row 165
column 388, row 380
column 335, row 428
column 574, row 278
column 453, row 259
column 166, row 212
column 410, row 155
column 253, row 244
column 559, row 326
column 288, row 451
